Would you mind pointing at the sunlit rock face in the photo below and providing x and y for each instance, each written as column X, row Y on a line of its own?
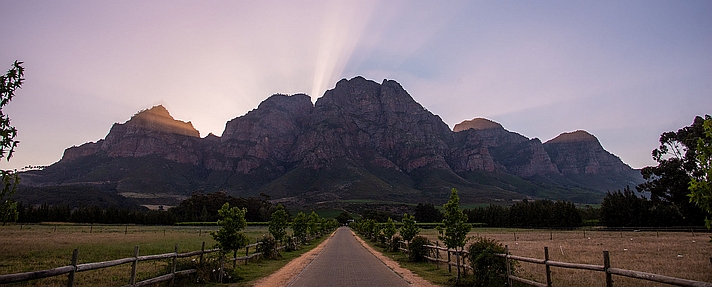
column 160, row 120
column 477, row 124
column 149, row 132
column 580, row 152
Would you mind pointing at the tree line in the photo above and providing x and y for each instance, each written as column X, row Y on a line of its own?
column 200, row 207
column 537, row 213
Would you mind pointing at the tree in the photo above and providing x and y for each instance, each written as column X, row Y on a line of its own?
column 314, row 224
column 427, row 213
column 625, row 209
column 701, row 185
column 9, row 83
column 278, row 224
column 300, row 226
column 344, row 217
column 454, row 233
column 389, row 229
column 228, row 237
column 409, row 229
column 669, row 181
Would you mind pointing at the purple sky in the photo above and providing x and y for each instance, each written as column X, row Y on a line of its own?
column 626, row 71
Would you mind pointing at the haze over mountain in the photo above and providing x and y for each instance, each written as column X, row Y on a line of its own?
column 361, row 140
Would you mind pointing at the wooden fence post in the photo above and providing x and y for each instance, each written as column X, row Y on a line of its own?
column 457, row 260
column 173, row 268
column 132, row 280
column 437, row 255
column 548, row 268
column 222, row 265
column 247, row 253
column 506, row 261
column 449, row 267
column 606, row 266
column 75, row 256
column 234, row 256
column 202, row 252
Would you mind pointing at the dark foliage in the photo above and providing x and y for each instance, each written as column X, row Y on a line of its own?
column 395, row 243
column 538, row 213
column 488, row 269
column 427, row 213
column 199, row 207
column 344, row 217
column 378, row 215
column 93, row 214
column 668, row 182
column 268, row 248
column 626, row 209
column 417, row 250
column 204, row 207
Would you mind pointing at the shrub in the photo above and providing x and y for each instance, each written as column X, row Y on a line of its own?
column 488, row 269
column 395, row 243
column 291, row 244
column 268, row 247
column 417, row 250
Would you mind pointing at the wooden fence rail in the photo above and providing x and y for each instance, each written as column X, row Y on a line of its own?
column 70, row 270
column 434, row 251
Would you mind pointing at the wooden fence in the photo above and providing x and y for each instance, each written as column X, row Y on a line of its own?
column 72, row 269
column 460, row 262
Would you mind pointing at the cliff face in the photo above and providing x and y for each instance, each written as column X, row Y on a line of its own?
column 361, row 139
column 364, row 121
column 487, row 142
column 581, row 153
column 149, row 132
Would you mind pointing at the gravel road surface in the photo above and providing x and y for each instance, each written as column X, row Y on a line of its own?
column 345, row 262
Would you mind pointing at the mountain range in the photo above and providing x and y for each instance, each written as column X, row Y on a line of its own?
column 361, row 141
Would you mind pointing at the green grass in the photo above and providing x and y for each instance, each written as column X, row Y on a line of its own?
column 37, row 247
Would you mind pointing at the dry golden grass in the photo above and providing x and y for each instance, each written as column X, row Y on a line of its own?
column 39, row 247
column 676, row 254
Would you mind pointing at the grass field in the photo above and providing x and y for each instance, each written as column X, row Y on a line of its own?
column 38, row 247
column 677, row 254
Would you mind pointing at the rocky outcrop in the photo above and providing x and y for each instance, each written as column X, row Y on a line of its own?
column 149, row 132
column 487, row 146
column 580, row 152
column 362, row 120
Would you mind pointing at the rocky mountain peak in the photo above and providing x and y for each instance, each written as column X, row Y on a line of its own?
column 580, row 152
column 159, row 119
column 576, row 136
column 477, row 124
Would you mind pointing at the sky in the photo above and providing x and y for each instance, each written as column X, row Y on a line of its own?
column 625, row 71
